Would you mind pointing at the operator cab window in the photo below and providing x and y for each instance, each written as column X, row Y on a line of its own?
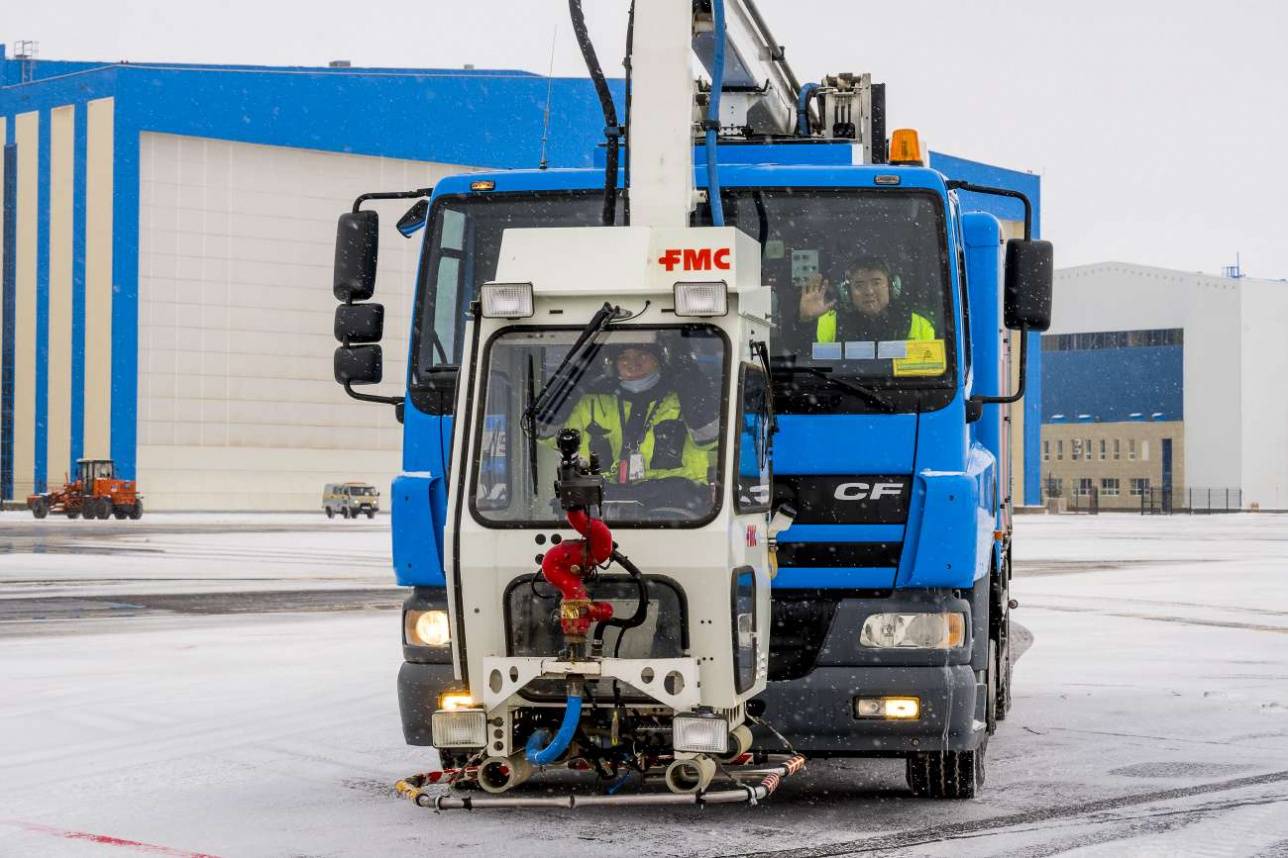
column 648, row 403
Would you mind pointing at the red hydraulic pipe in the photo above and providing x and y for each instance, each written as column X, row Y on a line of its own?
column 564, row 565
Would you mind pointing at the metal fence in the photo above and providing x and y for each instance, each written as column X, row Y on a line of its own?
column 1087, row 503
column 1162, row 501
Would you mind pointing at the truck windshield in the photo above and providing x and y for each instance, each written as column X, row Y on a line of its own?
column 647, row 402
column 860, row 280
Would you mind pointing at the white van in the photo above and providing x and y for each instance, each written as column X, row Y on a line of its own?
column 349, row 500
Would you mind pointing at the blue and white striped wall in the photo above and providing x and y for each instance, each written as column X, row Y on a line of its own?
column 57, row 327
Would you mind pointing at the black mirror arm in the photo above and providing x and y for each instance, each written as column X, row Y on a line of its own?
column 975, row 405
column 368, row 397
column 958, row 185
column 391, row 195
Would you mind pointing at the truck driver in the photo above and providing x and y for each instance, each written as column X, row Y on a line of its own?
column 865, row 309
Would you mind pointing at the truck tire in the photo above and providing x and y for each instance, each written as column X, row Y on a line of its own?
column 1000, row 633
column 136, row 511
column 119, row 513
column 344, row 512
column 1004, row 670
column 39, row 508
column 73, row 514
column 371, row 513
column 991, row 707
column 330, row 513
column 947, row 774
column 104, row 508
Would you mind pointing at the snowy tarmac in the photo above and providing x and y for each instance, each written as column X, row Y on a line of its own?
column 224, row 685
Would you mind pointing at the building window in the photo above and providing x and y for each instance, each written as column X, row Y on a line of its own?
column 1059, row 451
column 1131, row 449
column 1102, row 449
column 1084, row 487
column 1109, row 487
column 1144, row 451
column 1117, row 450
column 1046, row 451
column 1139, row 485
column 1075, row 450
column 1055, row 487
column 1113, row 340
column 1086, row 450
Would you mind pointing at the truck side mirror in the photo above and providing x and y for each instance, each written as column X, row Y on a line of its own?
column 356, row 242
column 358, row 365
column 1030, row 269
column 411, row 222
column 359, row 323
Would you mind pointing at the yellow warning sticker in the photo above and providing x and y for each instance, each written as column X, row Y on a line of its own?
column 924, row 357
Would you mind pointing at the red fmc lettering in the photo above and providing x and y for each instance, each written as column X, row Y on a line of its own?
column 701, row 259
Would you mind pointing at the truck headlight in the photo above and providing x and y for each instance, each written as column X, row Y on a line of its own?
column 700, row 734
column 701, row 299
column 914, row 631
column 459, row 728
column 427, row 628
column 506, row 300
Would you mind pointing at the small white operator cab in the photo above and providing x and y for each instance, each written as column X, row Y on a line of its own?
column 607, row 533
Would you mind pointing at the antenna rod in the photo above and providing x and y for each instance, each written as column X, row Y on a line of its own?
column 550, row 85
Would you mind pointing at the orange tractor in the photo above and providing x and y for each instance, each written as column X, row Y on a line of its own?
column 95, row 493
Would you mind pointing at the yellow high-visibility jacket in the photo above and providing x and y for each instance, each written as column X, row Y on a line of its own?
column 919, row 328
column 667, row 446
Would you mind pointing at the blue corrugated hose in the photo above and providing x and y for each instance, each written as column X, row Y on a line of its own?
column 802, row 109
column 540, row 756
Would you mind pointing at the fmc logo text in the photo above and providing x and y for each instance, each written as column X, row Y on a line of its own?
column 691, row 259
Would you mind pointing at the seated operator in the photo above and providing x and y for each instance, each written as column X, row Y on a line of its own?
column 870, row 313
column 653, row 430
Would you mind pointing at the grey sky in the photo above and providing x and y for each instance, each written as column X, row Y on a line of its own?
column 1157, row 127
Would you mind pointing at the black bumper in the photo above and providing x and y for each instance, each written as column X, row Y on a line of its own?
column 816, row 712
column 418, row 688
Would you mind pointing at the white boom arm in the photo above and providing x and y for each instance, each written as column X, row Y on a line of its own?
column 759, row 99
column 661, row 133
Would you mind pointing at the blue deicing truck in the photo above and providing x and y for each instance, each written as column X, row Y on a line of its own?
column 898, row 347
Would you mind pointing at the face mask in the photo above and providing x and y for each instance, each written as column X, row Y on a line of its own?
column 639, row 385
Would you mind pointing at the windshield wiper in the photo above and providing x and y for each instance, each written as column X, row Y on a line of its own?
column 825, row 373
column 532, row 436
column 570, row 370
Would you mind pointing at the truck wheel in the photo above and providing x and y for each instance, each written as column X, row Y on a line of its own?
column 344, row 512
column 1004, row 670
column 104, row 508
column 371, row 513
column 39, row 508
column 136, row 511
column 947, row 774
column 118, row 513
column 991, row 707
column 73, row 513
column 330, row 513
